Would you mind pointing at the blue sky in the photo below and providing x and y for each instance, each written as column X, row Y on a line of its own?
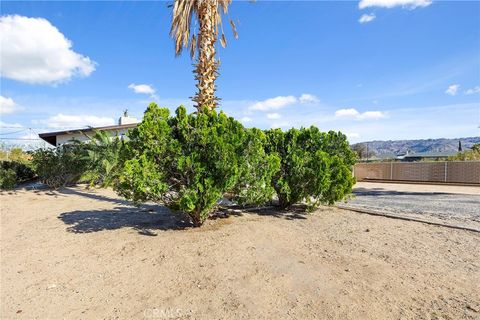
column 374, row 69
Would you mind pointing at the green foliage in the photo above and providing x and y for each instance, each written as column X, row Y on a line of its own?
column 61, row 166
column 15, row 167
column 315, row 166
column 190, row 161
column 467, row 155
column 103, row 152
column 23, row 170
column 257, row 169
column 15, row 154
column 8, row 178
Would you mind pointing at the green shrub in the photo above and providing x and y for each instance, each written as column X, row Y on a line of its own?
column 315, row 166
column 8, row 178
column 23, row 170
column 190, row 161
column 256, row 170
column 61, row 166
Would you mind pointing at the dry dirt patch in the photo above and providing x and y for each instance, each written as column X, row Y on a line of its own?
column 88, row 254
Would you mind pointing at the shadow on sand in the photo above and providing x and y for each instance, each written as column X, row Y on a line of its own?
column 144, row 218
column 149, row 217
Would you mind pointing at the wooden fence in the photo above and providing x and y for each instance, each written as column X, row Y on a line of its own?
column 463, row 172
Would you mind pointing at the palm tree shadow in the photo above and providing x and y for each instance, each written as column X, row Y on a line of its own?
column 144, row 219
column 94, row 196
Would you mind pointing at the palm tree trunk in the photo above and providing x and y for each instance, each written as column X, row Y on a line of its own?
column 206, row 67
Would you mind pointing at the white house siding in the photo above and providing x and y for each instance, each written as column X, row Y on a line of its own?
column 80, row 136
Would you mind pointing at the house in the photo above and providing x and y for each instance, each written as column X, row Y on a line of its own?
column 432, row 156
column 61, row 137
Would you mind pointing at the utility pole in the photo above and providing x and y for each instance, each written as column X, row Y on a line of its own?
column 366, row 143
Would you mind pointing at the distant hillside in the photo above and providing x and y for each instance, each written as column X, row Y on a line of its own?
column 428, row 145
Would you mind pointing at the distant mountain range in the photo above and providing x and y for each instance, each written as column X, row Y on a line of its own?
column 429, row 145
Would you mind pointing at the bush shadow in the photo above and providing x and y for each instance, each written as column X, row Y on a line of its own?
column 143, row 219
column 293, row 213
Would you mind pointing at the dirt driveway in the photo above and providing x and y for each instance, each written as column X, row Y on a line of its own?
column 458, row 205
column 78, row 254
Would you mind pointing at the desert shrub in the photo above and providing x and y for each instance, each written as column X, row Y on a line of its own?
column 23, row 170
column 315, row 166
column 62, row 166
column 190, row 161
column 8, row 178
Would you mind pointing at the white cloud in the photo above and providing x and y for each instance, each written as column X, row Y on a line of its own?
column 142, row 88
column 410, row 4
column 452, row 90
column 36, row 52
column 283, row 101
column 353, row 113
column 273, row 115
column 246, row 119
column 308, row 98
column 12, row 125
column 352, row 135
column 7, row 105
column 76, row 121
column 473, row 90
column 365, row 18
column 274, row 103
column 372, row 115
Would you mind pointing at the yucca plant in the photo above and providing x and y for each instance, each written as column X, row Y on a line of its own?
column 195, row 25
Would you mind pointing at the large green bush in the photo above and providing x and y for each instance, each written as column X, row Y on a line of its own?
column 190, row 161
column 62, row 166
column 315, row 166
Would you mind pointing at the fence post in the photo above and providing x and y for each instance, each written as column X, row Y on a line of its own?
column 391, row 170
column 446, row 164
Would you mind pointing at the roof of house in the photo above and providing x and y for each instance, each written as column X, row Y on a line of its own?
column 440, row 154
column 51, row 137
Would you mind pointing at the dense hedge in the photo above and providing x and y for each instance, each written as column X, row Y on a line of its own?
column 190, row 161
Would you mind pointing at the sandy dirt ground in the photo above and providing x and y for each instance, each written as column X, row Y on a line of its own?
column 78, row 254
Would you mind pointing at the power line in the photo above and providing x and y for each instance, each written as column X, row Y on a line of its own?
column 13, row 132
column 20, row 139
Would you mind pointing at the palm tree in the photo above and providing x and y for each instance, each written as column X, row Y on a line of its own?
column 186, row 15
